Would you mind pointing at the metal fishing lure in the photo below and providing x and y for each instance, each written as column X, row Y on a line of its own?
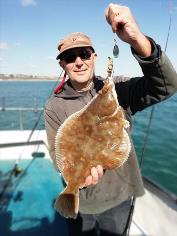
column 115, row 49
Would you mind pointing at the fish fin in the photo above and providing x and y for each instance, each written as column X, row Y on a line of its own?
column 112, row 163
column 58, row 139
column 58, row 156
column 125, row 147
column 126, row 124
column 67, row 204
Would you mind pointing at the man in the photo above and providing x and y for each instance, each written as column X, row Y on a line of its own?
column 105, row 200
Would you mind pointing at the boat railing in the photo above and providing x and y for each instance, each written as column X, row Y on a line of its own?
column 16, row 144
column 159, row 190
column 20, row 110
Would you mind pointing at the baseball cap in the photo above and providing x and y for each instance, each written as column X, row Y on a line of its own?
column 74, row 40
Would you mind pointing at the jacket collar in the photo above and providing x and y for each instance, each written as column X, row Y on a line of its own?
column 69, row 92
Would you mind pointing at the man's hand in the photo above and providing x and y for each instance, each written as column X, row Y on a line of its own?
column 124, row 25
column 96, row 175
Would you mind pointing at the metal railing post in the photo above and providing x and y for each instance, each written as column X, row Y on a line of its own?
column 21, row 119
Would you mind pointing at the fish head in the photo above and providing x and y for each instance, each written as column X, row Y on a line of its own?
column 107, row 102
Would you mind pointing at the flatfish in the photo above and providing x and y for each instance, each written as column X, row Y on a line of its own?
column 95, row 135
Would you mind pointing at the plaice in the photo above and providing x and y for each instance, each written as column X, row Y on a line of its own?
column 95, row 135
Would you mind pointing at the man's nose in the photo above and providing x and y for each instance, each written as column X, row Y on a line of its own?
column 78, row 61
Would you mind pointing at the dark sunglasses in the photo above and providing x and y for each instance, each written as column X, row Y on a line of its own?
column 71, row 56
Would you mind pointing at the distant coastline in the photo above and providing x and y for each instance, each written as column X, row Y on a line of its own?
column 22, row 77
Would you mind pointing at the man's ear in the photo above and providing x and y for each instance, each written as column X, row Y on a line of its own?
column 61, row 64
column 95, row 56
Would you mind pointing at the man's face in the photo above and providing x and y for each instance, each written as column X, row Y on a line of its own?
column 79, row 66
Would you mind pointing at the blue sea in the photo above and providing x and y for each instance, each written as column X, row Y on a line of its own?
column 160, row 156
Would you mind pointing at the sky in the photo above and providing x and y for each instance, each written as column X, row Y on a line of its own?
column 31, row 29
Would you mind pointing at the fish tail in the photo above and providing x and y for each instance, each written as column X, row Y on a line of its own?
column 67, row 204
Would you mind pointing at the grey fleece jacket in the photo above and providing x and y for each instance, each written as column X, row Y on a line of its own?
column 134, row 94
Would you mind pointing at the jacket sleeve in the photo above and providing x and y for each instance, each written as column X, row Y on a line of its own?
column 158, row 83
column 52, row 124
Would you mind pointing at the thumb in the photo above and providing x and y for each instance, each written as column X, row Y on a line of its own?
column 107, row 15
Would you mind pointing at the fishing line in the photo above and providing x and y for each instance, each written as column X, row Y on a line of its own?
column 153, row 107
column 38, row 120
column 129, row 220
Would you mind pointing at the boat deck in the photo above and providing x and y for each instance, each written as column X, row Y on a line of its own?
column 26, row 206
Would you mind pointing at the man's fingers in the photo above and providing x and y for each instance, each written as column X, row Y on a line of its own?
column 112, row 11
column 88, row 181
column 99, row 170
column 95, row 176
